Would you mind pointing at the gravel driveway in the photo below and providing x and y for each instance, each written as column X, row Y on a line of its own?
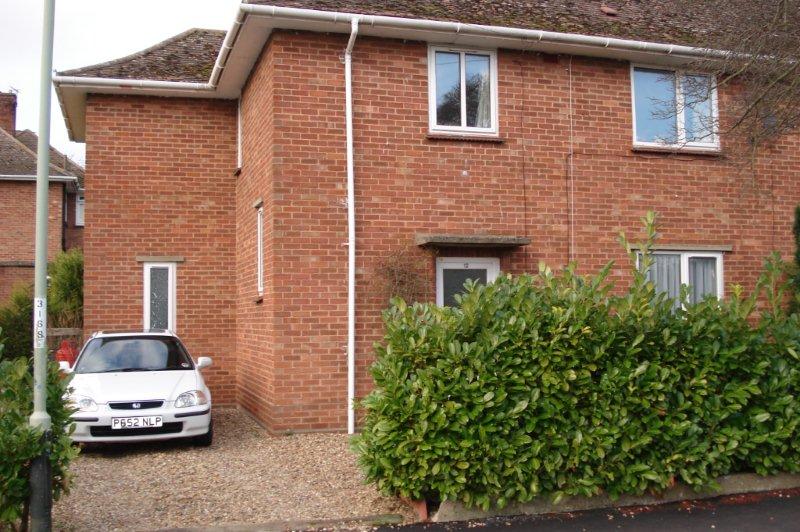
column 247, row 476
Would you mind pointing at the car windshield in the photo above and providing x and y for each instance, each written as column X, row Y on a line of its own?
column 140, row 353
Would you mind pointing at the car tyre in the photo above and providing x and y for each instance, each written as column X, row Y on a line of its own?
column 206, row 439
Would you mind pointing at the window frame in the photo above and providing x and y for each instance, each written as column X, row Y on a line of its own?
column 172, row 288
column 462, row 130
column 239, row 132
column 490, row 264
column 684, row 261
column 260, row 250
column 80, row 208
column 713, row 146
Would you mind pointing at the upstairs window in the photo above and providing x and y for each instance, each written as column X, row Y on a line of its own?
column 674, row 108
column 463, row 91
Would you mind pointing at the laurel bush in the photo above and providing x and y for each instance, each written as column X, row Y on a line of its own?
column 557, row 384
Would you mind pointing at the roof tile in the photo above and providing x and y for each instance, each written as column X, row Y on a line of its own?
column 189, row 56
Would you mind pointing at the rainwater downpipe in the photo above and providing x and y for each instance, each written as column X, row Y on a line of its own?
column 351, row 231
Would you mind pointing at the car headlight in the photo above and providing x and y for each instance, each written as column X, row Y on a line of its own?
column 83, row 403
column 193, row 398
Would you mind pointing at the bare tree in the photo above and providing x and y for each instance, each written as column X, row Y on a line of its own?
column 761, row 68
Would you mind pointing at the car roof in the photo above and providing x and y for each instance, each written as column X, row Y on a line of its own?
column 149, row 332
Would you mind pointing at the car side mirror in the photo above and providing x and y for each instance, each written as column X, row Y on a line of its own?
column 64, row 366
column 203, row 362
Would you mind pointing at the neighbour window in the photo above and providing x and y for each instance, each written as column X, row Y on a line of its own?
column 159, row 295
column 260, row 250
column 463, row 91
column 453, row 272
column 79, row 206
column 674, row 108
column 701, row 272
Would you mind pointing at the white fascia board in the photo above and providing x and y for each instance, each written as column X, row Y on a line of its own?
column 70, row 181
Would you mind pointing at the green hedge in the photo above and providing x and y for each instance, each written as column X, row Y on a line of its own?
column 19, row 443
column 551, row 384
column 16, row 323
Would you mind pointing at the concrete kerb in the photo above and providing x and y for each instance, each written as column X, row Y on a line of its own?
column 729, row 485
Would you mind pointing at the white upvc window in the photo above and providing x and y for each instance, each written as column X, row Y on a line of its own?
column 674, row 108
column 79, row 208
column 239, row 133
column 701, row 271
column 159, row 295
column 260, row 250
column 453, row 272
column 462, row 91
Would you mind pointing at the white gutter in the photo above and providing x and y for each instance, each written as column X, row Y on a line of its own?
column 351, row 230
column 480, row 30
column 52, row 178
column 120, row 83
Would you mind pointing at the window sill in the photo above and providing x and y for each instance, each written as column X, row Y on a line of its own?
column 677, row 150
column 464, row 137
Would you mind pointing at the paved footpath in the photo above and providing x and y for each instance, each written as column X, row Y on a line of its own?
column 770, row 511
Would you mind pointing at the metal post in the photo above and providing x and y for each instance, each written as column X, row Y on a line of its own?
column 41, row 484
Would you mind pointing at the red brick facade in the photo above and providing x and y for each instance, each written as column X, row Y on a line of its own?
column 8, row 111
column 160, row 182
column 148, row 197
column 17, row 219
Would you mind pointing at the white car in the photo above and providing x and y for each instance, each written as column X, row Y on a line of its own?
column 138, row 386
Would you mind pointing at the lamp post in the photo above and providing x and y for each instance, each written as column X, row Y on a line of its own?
column 41, row 499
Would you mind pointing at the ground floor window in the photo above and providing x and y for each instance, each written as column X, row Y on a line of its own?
column 453, row 272
column 700, row 271
column 159, row 295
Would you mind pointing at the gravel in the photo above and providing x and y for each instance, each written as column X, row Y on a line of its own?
column 246, row 477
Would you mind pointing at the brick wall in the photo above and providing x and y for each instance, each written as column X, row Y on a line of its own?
column 407, row 183
column 290, row 345
column 256, row 315
column 73, row 234
column 159, row 182
column 17, row 237
column 18, row 218
column 8, row 111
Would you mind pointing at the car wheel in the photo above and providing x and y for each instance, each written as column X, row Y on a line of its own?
column 206, row 439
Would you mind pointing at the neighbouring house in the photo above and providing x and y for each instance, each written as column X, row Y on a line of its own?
column 245, row 187
column 18, row 200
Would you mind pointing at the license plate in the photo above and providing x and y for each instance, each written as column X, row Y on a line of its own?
column 144, row 422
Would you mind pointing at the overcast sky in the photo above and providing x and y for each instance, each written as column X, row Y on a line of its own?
column 89, row 32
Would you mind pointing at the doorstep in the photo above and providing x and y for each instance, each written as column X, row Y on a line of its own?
column 729, row 485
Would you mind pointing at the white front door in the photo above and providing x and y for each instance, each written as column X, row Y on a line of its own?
column 453, row 272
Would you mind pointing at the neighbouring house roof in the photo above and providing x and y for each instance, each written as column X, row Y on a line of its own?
column 18, row 161
column 64, row 164
column 187, row 57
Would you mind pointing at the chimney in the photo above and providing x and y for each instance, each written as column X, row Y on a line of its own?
column 8, row 111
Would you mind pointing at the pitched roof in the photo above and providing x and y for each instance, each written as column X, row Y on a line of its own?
column 17, row 159
column 664, row 21
column 188, row 56
column 64, row 164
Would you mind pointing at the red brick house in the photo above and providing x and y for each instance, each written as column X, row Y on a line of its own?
column 18, row 200
column 245, row 187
